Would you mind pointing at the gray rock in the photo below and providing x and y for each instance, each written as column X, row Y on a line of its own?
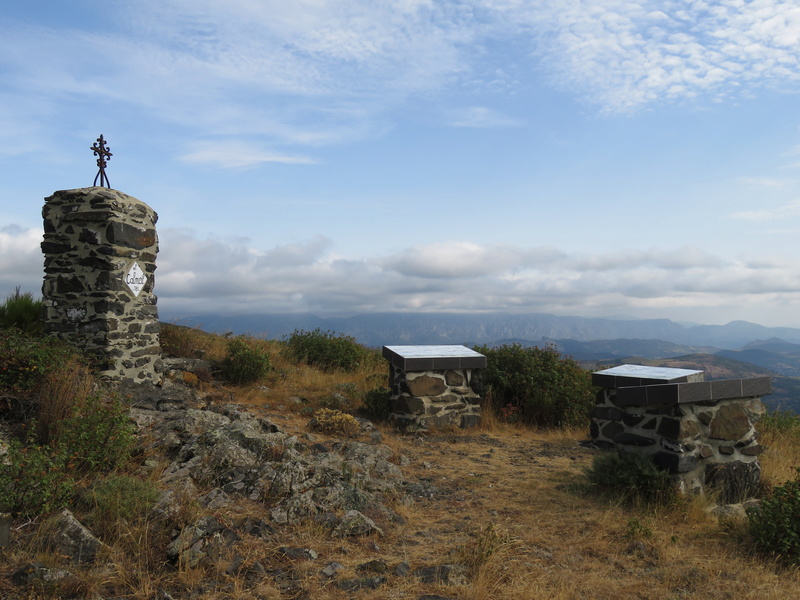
column 361, row 583
column 331, row 569
column 37, row 573
column 446, row 574
column 68, row 537
column 373, row 566
column 356, row 524
column 298, row 553
column 202, row 540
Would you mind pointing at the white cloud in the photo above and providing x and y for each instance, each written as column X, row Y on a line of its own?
column 623, row 55
column 314, row 72
column 230, row 276
column 464, row 276
column 232, row 154
column 479, row 117
column 21, row 259
column 787, row 211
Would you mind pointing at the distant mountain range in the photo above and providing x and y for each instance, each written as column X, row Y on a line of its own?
column 379, row 329
column 736, row 350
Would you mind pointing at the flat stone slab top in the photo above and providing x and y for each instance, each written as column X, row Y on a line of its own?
column 637, row 375
column 699, row 391
column 433, row 358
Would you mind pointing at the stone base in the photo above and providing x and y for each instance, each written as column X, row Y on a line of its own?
column 434, row 399
column 706, row 444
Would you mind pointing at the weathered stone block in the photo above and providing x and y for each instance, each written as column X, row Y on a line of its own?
column 706, row 451
column 470, row 420
column 409, row 404
column 631, row 439
column 454, row 378
column 425, row 385
column 678, row 429
column 607, row 413
column 705, row 417
column 632, row 420
column 730, row 423
column 446, row 398
column 753, row 450
column 675, row 463
column 123, row 234
column 612, row 429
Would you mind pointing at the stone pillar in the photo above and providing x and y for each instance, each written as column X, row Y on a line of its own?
column 433, row 386
column 702, row 432
column 100, row 249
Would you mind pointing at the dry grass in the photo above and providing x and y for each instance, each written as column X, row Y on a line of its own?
column 63, row 389
column 782, row 457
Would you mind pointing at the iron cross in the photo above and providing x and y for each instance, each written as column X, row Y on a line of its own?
column 103, row 154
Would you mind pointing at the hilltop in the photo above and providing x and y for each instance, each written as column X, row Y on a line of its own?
column 255, row 500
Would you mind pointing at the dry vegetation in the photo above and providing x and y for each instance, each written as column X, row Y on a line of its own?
column 512, row 505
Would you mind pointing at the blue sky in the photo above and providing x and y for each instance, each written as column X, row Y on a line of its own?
column 591, row 158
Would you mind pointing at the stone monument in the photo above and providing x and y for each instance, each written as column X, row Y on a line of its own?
column 100, row 249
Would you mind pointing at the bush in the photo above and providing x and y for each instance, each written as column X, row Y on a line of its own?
column 96, row 436
column 245, row 362
column 32, row 481
column 184, row 342
column 26, row 359
column 546, row 389
column 334, row 422
column 22, row 312
column 632, row 478
column 775, row 523
column 121, row 498
column 781, row 422
column 376, row 403
column 325, row 350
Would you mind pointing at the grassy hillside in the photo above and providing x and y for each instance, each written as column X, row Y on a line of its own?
column 508, row 504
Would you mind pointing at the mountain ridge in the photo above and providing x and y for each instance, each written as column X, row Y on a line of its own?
column 379, row 329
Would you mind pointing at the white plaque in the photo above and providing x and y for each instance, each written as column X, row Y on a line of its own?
column 136, row 279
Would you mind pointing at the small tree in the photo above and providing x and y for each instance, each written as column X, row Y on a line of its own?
column 545, row 388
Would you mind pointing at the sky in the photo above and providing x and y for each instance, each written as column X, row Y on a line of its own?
column 597, row 158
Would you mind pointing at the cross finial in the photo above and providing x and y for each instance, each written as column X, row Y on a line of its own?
column 103, row 154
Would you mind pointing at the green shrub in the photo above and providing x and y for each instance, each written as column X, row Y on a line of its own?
column 32, row 481
column 22, row 312
column 122, row 498
column 775, row 523
column 547, row 389
column 376, row 403
column 26, row 359
column 631, row 478
column 783, row 422
column 97, row 436
column 245, row 361
column 325, row 350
